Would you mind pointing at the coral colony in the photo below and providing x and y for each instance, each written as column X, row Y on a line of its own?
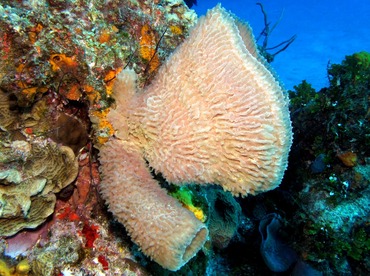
column 137, row 139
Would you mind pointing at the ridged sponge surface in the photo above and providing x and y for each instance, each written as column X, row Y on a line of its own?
column 213, row 114
column 158, row 223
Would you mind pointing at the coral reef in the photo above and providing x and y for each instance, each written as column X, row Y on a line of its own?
column 206, row 118
column 332, row 128
column 323, row 201
column 76, row 48
column 59, row 62
column 56, row 76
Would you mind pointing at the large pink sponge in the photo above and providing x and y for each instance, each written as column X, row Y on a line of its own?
column 213, row 114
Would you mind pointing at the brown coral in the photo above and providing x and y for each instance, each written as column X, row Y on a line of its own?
column 214, row 114
column 7, row 117
column 30, row 175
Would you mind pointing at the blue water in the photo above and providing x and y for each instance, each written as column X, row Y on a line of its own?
column 326, row 32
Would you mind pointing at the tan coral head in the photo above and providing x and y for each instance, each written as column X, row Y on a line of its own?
column 214, row 114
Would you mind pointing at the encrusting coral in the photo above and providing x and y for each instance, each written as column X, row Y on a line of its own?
column 32, row 171
column 30, row 175
column 213, row 114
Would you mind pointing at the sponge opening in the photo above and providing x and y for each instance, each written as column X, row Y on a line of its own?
column 195, row 244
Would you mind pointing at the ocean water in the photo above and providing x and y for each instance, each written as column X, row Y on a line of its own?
column 326, row 32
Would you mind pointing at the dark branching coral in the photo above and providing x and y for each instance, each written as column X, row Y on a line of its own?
column 265, row 33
